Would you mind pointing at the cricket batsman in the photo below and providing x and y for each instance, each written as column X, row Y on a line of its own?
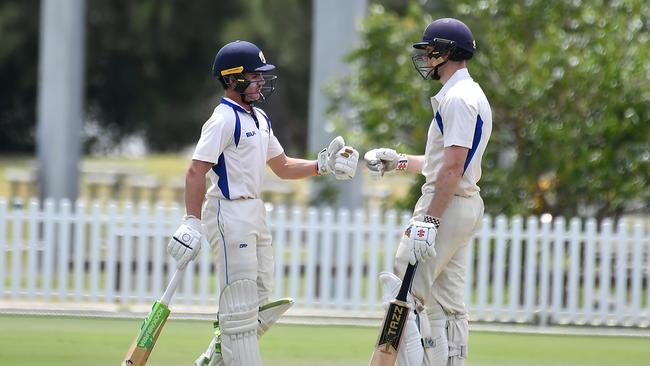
column 450, row 209
column 236, row 144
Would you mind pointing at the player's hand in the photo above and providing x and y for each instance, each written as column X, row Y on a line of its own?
column 185, row 244
column 327, row 157
column 384, row 160
column 422, row 239
column 345, row 163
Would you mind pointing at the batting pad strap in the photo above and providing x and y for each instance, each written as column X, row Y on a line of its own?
column 242, row 322
column 458, row 334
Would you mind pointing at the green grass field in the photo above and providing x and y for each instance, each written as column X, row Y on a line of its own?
column 33, row 340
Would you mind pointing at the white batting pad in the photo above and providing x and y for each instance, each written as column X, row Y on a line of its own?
column 270, row 313
column 238, row 313
column 267, row 316
column 436, row 345
column 410, row 351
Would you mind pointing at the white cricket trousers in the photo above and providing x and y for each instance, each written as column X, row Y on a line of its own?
column 441, row 279
column 241, row 241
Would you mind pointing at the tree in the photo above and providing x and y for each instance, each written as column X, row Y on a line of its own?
column 570, row 93
column 19, row 23
column 149, row 67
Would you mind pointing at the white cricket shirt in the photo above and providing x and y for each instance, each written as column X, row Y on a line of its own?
column 239, row 145
column 462, row 117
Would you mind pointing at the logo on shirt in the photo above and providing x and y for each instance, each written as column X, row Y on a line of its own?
column 243, row 245
column 250, row 133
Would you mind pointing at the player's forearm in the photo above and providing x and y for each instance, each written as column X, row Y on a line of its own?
column 194, row 192
column 415, row 163
column 293, row 168
column 447, row 181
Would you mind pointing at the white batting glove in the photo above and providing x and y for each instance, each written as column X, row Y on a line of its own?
column 185, row 244
column 384, row 160
column 327, row 157
column 422, row 239
column 345, row 163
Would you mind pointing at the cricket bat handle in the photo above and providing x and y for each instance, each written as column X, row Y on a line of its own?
column 172, row 286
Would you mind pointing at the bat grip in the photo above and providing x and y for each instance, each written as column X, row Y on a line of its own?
column 406, row 281
column 173, row 284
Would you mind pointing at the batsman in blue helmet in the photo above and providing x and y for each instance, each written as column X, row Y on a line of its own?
column 236, row 145
column 450, row 210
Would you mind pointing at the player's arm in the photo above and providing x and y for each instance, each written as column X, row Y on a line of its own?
column 422, row 234
column 448, row 178
column 336, row 159
column 292, row 168
column 195, row 186
column 415, row 163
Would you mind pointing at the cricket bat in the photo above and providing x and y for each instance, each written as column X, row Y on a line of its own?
column 152, row 325
column 385, row 353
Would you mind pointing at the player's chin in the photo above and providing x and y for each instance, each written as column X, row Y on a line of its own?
column 254, row 96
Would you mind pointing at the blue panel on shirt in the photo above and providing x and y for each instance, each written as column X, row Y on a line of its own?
column 478, row 131
column 220, row 170
column 439, row 121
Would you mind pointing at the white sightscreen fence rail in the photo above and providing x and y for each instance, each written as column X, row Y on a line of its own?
column 519, row 269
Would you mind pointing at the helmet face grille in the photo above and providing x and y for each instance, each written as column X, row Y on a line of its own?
column 266, row 86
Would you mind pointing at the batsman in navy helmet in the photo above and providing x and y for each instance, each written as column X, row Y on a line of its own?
column 450, row 209
column 236, row 145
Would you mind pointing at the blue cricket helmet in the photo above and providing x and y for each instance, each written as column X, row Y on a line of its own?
column 236, row 59
column 449, row 34
column 239, row 57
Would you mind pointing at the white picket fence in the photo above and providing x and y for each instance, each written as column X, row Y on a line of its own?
column 520, row 270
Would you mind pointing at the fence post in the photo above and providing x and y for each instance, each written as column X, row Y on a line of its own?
column 311, row 282
column 574, row 268
column 33, row 242
column 279, row 243
column 545, row 272
column 589, row 272
column 514, row 269
column 95, row 246
column 63, row 247
column 622, row 238
column 358, row 250
column 559, row 237
column 296, row 251
column 499, row 264
column 637, row 274
column 531, row 268
column 605, row 269
column 17, row 249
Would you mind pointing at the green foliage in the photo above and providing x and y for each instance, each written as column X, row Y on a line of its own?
column 569, row 88
column 18, row 73
column 148, row 67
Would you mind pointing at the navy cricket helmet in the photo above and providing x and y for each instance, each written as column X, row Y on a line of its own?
column 237, row 58
column 449, row 34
